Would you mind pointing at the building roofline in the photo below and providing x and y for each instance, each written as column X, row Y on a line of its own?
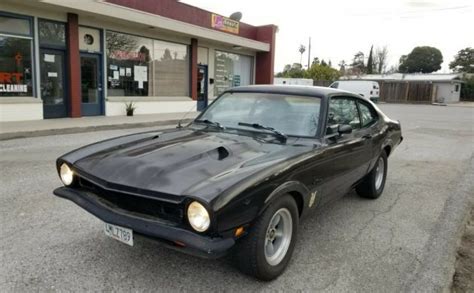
column 100, row 7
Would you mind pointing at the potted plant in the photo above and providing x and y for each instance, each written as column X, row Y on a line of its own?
column 130, row 108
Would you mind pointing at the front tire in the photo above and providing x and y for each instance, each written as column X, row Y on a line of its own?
column 373, row 184
column 265, row 252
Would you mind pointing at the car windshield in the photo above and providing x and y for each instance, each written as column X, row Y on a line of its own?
column 287, row 114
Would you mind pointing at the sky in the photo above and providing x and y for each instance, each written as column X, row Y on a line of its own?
column 341, row 28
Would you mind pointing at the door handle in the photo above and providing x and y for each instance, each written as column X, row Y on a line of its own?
column 367, row 136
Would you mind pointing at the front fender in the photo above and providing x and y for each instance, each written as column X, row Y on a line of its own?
column 294, row 188
column 250, row 204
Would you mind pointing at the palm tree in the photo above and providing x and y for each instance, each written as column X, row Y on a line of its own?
column 302, row 49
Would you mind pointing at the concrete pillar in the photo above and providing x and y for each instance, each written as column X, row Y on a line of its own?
column 265, row 60
column 74, row 65
column 194, row 68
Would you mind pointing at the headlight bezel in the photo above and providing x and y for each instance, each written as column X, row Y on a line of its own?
column 67, row 178
column 193, row 204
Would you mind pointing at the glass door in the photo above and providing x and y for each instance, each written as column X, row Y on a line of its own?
column 91, row 85
column 202, row 87
column 53, row 86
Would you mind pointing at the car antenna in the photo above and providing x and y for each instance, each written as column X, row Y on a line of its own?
column 185, row 114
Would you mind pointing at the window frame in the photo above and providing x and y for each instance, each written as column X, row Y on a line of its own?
column 371, row 109
column 355, row 99
column 51, row 46
column 18, row 16
column 31, row 38
column 107, row 65
column 252, row 66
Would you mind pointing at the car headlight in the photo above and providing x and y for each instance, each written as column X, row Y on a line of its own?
column 66, row 174
column 198, row 217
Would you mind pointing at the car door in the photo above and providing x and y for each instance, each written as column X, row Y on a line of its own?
column 347, row 156
column 371, row 130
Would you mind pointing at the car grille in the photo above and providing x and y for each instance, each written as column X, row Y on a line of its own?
column 140, row 206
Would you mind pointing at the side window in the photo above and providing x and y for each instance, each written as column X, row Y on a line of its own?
column 343, row 111
column 367, row 114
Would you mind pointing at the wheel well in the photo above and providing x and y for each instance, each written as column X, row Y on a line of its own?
column 299, row 200
column 387, row 150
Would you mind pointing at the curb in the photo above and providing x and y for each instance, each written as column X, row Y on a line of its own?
column 72, row 130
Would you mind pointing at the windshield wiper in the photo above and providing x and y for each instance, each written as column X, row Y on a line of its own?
column 211, row 123
column 277, row 133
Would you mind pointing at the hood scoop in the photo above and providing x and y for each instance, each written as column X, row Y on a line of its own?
column 219, row 153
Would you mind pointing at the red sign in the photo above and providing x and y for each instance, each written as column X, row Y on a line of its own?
column 10, row 82
column 8, row 77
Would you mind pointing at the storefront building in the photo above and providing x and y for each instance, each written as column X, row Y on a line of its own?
column 63, row 58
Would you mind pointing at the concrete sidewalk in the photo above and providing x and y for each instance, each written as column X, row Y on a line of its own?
column 20, row 129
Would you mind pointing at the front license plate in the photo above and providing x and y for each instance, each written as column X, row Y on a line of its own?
column 121, row 234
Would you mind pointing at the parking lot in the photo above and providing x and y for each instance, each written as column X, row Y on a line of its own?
column 403, row 241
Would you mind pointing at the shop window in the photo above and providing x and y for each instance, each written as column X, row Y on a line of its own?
column 170, row 68
column 15, row 67
column 52, row 34
column 15, row 26
column 138, row 66
column 231, row 70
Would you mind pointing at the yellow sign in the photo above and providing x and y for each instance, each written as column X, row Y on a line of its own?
column 225, row 24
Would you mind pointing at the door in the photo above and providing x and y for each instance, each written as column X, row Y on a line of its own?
column 91, row 85
column 202, row 87
column 53, row 83
column 350, row 154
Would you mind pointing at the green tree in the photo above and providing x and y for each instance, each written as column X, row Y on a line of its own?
column 358, row 62
column 422, row 59
column 381, row 59
column 315, row 61
column 467, row 89
column 463, row 61
column 323, row 63
column 301, row 49
column 292, row 71
column 342, row 67
column 370, row 61
column 321, row 72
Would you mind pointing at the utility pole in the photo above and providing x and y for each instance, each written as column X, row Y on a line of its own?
column 309, row 53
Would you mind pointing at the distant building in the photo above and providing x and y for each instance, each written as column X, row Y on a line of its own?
column 446, row 87
column 293, row 81
column 63, row 58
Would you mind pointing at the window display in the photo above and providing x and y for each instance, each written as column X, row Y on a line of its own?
column 231, row 70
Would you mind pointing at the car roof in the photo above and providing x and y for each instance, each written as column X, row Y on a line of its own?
column 288, row 89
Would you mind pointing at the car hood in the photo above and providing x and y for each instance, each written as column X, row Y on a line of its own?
column 182, row 162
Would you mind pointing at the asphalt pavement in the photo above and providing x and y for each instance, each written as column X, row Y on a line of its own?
column 404, row 241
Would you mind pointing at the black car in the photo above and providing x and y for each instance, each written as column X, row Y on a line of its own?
column 240, row 176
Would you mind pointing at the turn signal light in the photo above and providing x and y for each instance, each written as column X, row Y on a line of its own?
column 239, row 231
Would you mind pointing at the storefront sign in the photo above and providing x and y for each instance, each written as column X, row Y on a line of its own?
column 6, row 80
column 13, row 88
column 224, row 24
column 126, row 55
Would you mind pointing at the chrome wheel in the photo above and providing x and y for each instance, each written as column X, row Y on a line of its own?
column 379, row 172
column 278, row 236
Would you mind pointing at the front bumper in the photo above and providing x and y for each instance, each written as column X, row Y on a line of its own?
column 194, row 244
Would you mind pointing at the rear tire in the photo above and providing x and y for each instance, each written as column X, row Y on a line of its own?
column 265, row 252
column 373, row 184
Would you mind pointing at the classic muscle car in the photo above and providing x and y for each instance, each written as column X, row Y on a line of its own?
column 240, row 176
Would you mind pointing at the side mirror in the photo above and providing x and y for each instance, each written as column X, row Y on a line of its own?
column 344, row 129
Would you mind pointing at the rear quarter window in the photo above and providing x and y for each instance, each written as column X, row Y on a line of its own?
column 368, row 114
